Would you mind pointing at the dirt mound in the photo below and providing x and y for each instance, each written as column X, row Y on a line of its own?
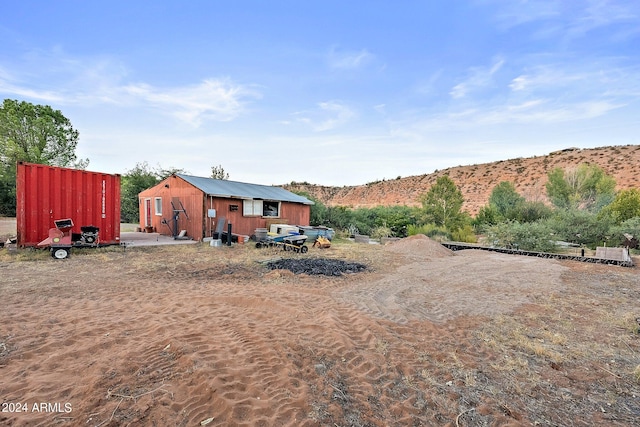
column 419, row 245
column 317, row 266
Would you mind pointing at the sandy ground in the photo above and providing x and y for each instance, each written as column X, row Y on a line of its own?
column 193, row 335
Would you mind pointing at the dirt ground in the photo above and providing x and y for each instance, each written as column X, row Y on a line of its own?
column 196, row 335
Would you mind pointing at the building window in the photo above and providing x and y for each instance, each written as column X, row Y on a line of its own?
column 158, row 205
column 271, row 209
column 260, row 208
column 252, row 207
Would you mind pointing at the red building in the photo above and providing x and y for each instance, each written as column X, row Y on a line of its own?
column 199, row 205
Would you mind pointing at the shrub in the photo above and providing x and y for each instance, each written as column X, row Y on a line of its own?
column 380, row 232
column 431, row 230
column 464, row 234
column 630, row 226
column 338, row 217
column 580, row 227
column 534, row 236
column 366, row 220
column 486, row 217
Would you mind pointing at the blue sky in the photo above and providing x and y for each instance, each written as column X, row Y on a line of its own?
column 328, row 92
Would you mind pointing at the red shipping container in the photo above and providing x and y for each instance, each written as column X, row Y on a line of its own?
column 46, row 194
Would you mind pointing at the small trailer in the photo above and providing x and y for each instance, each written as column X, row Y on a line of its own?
column 289, row 242
column 61, row 239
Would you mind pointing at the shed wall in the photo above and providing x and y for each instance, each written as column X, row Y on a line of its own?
column 290, row 213
column 48, row 193
column 177, row 190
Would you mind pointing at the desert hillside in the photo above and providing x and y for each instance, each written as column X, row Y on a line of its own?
column 529, row 176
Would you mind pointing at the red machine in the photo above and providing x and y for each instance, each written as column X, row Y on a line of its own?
column 61, row 239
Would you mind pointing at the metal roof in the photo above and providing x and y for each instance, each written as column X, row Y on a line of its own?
column 242, row 190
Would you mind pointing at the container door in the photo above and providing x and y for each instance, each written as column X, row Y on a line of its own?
column 147, row 212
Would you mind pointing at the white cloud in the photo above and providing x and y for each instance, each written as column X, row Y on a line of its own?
column 349, row 60
column 601, row 13
column 535, row 112
column 542, row 112
column 555, row 93
column 430, row 85
column 547, row 77
column 479, row 77
column 12, row 85
column 525, row 106
column 511, row 13
column 328, row 116
column 103, row 80
column 380, row 108
column 218, row 100
column 519, row 83
column 7, row 87
column 567, row 20
column 458, row 91
column 580, row 81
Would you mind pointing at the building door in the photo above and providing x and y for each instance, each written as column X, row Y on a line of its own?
column 147, row 212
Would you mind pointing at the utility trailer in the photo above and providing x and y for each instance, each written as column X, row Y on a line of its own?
column 61, row 239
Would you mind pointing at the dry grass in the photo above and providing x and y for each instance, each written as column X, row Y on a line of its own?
column 587, row 334
column 534, row 365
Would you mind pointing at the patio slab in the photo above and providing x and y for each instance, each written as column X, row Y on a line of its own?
column 150, row 239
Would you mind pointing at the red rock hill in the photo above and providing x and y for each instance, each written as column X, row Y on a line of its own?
column 529, row 176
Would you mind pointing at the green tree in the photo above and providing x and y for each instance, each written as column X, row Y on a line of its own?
column 619, row 233
column 339, row 217
column 580, row 227
column 524, row 211
column 486, row 217
column 165, row 173
column 529, row 211
column 625, row 206
column 133, row 182
column 558, row 189
column 217, row 172
column 442, row 204
column 392, row 220
column 505, row 199
column 36, row 134
column 364, row 220
column 585, row 187
column 7, row 190
column 534, row 236
column 318, row 214
column 396, row 218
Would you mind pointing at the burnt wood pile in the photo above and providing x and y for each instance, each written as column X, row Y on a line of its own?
column 317, row 266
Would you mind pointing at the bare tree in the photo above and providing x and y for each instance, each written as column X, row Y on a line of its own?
column 217, row 172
